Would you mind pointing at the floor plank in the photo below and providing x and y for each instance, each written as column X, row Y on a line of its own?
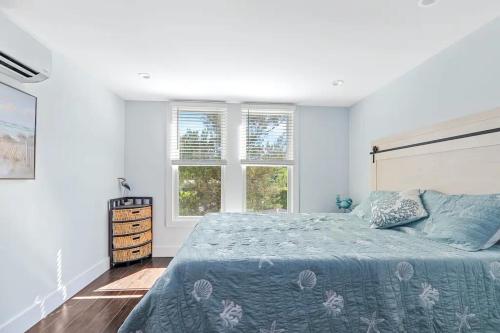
column 72, row 308
column 117, row 321
column 104, row 304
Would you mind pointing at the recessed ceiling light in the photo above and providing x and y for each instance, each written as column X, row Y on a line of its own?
column 145, row 76
column 338, row 83
column 427, row 3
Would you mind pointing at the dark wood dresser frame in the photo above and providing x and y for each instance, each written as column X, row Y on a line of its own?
column 133, row 204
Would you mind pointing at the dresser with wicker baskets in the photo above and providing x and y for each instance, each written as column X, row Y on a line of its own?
column 130, row 229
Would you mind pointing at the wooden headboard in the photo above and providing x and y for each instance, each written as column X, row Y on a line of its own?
column 454, row 157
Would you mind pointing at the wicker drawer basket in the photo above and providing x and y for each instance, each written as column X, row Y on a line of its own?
column 131, row 240
column 127, row 214
column 125, row 228
column 130, row 229
column 132, row 254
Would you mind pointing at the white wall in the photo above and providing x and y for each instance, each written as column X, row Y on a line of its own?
column 463, row 79
column 324, row 151
column 145, row 158
column 79, row 155
column 323, row 163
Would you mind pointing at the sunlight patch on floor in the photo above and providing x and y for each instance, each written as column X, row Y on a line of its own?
column 106, row 297
column 142, row 280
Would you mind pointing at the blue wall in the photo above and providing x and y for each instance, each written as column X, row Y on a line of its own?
column 461, row 80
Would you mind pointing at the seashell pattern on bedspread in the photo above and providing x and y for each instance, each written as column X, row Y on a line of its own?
column 319, row 273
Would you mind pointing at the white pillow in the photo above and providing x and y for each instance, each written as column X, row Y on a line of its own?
column 396, row 209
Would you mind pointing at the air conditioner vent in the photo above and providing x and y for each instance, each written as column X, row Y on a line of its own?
column 16, row 66
column 21, row 56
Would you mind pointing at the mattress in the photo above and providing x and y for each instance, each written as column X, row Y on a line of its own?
column 319, row 273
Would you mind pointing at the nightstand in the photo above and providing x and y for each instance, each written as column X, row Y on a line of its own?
column 130, row 229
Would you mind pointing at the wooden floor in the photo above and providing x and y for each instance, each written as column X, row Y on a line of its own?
column 105, row 303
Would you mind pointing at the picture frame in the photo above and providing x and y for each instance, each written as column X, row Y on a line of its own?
column 18, row 120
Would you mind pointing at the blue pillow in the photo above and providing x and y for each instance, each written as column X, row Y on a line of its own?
column 467, row 222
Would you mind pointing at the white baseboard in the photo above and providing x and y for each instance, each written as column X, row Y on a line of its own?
column 42, row 307
column 165, row 251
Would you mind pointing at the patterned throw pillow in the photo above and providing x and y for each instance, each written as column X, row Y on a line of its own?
column 397, row 208
column 364, row 209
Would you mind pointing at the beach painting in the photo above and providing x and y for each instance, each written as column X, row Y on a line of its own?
column 17, row 134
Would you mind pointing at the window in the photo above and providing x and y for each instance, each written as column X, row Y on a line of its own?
column 198, row 157
column 199, row 190
column 267, row 157
column 267, row 188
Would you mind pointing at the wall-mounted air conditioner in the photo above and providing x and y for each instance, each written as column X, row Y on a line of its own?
column 21, row 56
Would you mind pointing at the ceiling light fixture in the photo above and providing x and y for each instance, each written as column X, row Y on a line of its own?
column 338, row 83
column 145, row 76
column 427, row 3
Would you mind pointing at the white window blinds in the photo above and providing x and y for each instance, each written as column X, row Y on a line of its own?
column 267, row 135
column 198, row 134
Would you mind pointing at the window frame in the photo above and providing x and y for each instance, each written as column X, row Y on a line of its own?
column 233, row 173
column 291, row 164
column 172, row 139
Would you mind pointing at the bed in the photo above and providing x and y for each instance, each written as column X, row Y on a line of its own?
column 319, row 273
column 331, row 272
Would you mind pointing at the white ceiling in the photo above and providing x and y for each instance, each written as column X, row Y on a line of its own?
column 249, row 50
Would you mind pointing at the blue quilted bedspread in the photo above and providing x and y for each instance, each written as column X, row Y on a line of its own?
column 319, row 273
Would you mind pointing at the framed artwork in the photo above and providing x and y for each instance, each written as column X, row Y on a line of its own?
column 17, row 133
